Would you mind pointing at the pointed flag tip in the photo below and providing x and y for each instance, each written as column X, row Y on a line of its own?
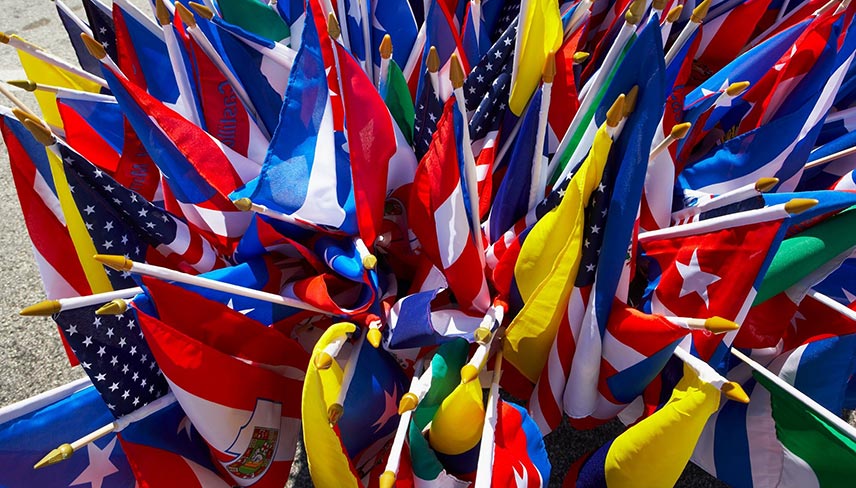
column 115, row 307
column 162, row 12
column 615, row 112
column 679, row 131
column 580, row 57
column 386, row 47
column 764, row 185
column 737, row 88
column 659, row 4
column 334, row 413
column 243, row 204
column 630, row 101
column 202, row 10
column 387, row 480
column 469, row 373
column 4, row 38
column 185, row 15
column 370, row 261
column 718, row 325
column 42, row 309
column 333, row 26
column 323, row 360
column 23, row 84
column 374, row 336
column 408, row 402
column 116, row 262
column 433, row 62
column 481, row 335
column 41, row 133
column 674, row 14
column 733, row 391
column 549, row 71
column 635, row 12
column 94, row 47
column 799, row 205
column 700, row 12
column 61, row 453
column 456, row 72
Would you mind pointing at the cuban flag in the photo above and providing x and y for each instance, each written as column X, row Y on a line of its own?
column 440, row 32
column 239, row 391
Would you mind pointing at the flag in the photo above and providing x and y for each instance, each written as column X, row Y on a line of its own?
column 726, row 32
column 164, row 449
column 74, row 26
column 442, row 33
column 115, row 356
column 547, row 265
column 655, row 451
column 256, row 17
column 439, row 214
column 238, row 389
column 457, row 425
column 445, row 370
column 396, row 95
column 519, row 455
column 101, row 23
column 414, row 322
column 540, row 33
column 33, row 427
column 427, row 109
column 393, row 17
column 474, row 34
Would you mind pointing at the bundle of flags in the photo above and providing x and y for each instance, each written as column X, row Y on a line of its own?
column 352, row 224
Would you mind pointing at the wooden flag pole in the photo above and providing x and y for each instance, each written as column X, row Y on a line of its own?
column 122, row 263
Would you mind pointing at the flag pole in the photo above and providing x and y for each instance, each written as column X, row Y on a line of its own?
column 697, row 17
column 387, row 478
column 64, row 451
column 679, row 131
column 15, row 100
column 817, row 408
column 763, row 185
column 50, row 307
column 830, row 157
column 669, row 22
column 337, row 409
column 38, row 53
column 418, row 389
column 122, row 263
column 247, row 205
column 484, row 338
column 829, row 302
column 32, row 86
column 186, row 103
column 385, row 55
column 732, row 390
column 715, row 324
column 582, row 12
column 433, row 66
column 484, row 474
column 536, row 185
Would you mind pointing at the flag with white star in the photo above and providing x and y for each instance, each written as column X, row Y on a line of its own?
column 121, row 221
column 429, row 108
column 115, row 355
column 101, row 23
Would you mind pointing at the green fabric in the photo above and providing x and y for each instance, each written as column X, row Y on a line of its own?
column 445, row 377
column 256, row 17
column 397, row 97
column 805, row 252
column 829, row 452
column 424, row 461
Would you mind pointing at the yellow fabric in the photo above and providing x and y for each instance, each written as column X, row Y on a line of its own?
column 655, row 452
column 41, row 72
column 328, row 463
column 548, row 264
column 457, row 425
column 540, row 33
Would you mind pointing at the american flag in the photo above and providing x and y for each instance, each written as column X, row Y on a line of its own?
column 115, row 355
column 101, row 22
column 429, row 108
column 121, row 221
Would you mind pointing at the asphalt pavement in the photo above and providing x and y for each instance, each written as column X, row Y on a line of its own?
column 33, row 359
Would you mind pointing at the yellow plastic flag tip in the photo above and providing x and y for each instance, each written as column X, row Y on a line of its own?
column 386, row 47
column 23, row 84
column 679, row 131
column 481, row 335
column 323, row 360
column 408, row 402
column 456, row 72
column 243, row 204
column 635, row 12
column 799, row 205
column 733, row 391
column 94, row 47
column 374, row 336
column 162, row 12
column 4, row 38
column 659, row 4
column 42, row 309
column 765, row 184
column 718, row 325
column 433, row 60
column 387, row 480
column 334, row 413
column 202, row 10
column 736, row 88
column 115, row 307
column 469, row 373
column 580, row 57
column 549, row 71
column 630, row 101
column 369, row 261
column 700, row 12
column 333, row 26
column 117, row 262
column 615, row 112
column 41, row 133
column 185, row 15
column 674, row 14
column 61, row 453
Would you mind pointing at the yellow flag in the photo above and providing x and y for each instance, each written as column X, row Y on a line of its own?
column 328, row 463
column 539, row 33
column 457, row 425
column 655, row 451
column 548, row 264
column 42, row 72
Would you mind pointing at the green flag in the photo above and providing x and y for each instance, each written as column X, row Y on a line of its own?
column 396, row 94
column 445, row 376
column 813, row 444
column 808, row 251
column 256, row 17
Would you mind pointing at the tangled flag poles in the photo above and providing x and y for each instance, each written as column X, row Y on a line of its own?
column 608, row 209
